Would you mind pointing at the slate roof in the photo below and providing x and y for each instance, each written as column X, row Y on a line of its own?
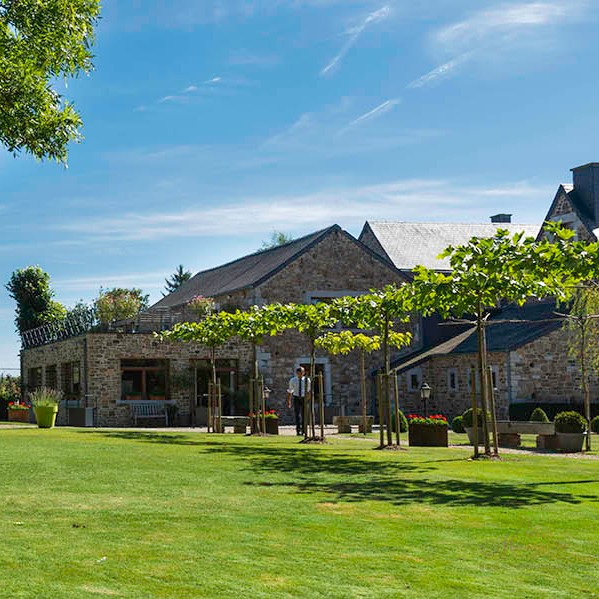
column 506, row 335
column 252, row 270
column 408, row 244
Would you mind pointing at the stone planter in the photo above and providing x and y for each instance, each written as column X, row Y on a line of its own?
column 18, row 415
column 45, row 416
column 272, row 426
column 571, row 442
column 470, row 433
column 424, row 435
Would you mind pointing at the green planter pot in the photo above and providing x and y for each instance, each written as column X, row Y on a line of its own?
column 46, row 416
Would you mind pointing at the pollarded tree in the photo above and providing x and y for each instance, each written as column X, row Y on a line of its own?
column 344, row 342
column 253, row 326
column 312, row 320
column 30, row 288
column 40, row 43
column 380, row 311
column 486, row 271
column 212, row 332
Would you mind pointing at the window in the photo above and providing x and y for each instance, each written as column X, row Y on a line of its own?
column 494, row 376
column 144, row 380
column 34, row 378
column 452, row 379
column 51, row 377
column 414, row 379
column 227, row 374
column 70, row 382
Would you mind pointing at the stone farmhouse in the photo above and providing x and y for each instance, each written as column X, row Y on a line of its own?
column 107, row 372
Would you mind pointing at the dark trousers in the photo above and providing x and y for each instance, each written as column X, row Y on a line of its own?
column 298, row 411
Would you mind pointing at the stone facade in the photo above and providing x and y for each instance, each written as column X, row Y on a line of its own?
column 336, row 266
column 539, row 371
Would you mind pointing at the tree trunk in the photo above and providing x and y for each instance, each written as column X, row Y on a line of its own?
column 321, row 404
column 585, row 382
column 363, row 388
column 492, row 406
column 397, row 422
column 474, row 411
column 386, row 394
column 482, row 369
column 379, row 397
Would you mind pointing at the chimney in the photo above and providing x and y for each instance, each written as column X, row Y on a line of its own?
column 501, row 218
column 586, row 186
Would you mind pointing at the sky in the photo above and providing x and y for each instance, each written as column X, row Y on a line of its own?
column 209, row 125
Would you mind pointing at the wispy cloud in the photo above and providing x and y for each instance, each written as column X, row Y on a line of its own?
column 353, row 34
column 192, row 91
column 381, row 109
column 515, row 32
column 147, row 280
column 439, row 73
column 397, row 200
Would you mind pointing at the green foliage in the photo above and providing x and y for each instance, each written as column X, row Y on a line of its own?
column 30, row 288
column 213, row 331
column 538, row 415
column 595, row 424
column 40, row 43
column 177, row 279
column 467, row 418
column 201, row 306
column 44, row 397
column 10, row 388
column 570, row 422
column 457, row 425
column 403, row 423
column 277, row 238
column 119, row 304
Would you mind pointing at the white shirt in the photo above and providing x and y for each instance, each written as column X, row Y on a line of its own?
column 299, row 386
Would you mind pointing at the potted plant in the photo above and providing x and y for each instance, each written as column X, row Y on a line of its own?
column 271, row 421
column 427, row 431
column 45, row 406
column 18, row 412
column 467, row 422
column 570, row 428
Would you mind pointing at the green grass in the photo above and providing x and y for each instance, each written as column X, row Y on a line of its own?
column 91, row 513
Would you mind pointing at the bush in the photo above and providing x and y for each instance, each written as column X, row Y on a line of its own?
column 595, row 424
column 570, row 422
column 538, row 415
column 44, row 397
column 467, row 418
column 457, row 425
column 403, row 422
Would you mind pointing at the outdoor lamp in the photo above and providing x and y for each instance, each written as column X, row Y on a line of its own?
column 425, row 393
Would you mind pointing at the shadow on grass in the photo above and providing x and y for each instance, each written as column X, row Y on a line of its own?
column 351, row 478
column 149, row 437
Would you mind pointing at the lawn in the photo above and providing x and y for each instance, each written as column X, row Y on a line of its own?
column 92, row 513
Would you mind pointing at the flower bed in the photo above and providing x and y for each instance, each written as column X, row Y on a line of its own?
column 428, row 431
column 18, row 412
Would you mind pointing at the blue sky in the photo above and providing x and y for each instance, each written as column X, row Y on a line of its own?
column 209, row 124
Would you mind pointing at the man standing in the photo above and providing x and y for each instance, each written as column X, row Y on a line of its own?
column 299, row 387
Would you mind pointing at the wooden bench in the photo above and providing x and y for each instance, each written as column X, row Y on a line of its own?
column 149, row 410
column 239, row 423
column 344, row 423
column 509, row 432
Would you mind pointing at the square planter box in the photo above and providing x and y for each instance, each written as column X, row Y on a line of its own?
column 423, row 435
column 272, row 426
column 18, row 415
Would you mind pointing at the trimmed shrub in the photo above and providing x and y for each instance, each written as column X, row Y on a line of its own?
column 595, row 424
column 467, row 418
column 538, row 415
column 570, row 422
column 457, row 425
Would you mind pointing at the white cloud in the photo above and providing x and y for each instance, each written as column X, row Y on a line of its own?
column 396, row 200
column 84, row 285
column 381, row 109
column 354, row 33
column 514, row 34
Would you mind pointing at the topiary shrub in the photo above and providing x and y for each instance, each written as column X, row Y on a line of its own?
column 570, row 422
column 595, row 424
column 538, row 415
column 457, row 425
column 403, row 422
column 467, row 418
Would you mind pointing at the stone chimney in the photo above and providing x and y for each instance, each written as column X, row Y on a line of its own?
column 501, row 218
column 586, row 186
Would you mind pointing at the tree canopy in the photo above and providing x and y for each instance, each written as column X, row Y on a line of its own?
column 180, row 276
column 41, row 42
column 119, row 304
column 30, row 288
